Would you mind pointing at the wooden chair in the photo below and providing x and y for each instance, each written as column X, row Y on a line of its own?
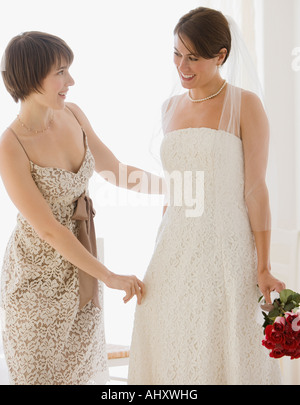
column 118, row 355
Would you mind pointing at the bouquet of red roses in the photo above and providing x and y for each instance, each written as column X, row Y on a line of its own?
column 282, row 325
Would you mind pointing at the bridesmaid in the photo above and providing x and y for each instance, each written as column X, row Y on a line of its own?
column 53, row 332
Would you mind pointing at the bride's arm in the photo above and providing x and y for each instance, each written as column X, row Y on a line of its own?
column 111, row 169
column 255, row 137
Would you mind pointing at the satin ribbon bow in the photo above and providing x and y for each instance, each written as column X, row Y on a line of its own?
column 84, row 214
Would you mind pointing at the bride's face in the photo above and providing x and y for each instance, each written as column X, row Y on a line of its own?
column 194, row 70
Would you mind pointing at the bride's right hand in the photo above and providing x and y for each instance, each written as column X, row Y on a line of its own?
column 130, row 284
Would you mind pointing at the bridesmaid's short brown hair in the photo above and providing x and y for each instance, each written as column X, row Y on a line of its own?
column 207, row 29
column 28, row 59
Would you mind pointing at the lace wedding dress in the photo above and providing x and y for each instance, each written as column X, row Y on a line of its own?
column 47, row 339
column 197, row 323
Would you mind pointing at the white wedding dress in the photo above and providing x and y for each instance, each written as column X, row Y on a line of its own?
column 197, row 323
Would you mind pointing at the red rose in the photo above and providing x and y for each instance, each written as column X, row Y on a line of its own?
column 290, row 344
column 279, row 324
column 276, row 337
column 268, row 331
column 289, row 331
column 277, row 352
column 296, row 354
column 290, row 316
column 268, row 344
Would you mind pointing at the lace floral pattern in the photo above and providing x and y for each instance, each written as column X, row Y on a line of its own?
column 197, row 323
column 47, row 339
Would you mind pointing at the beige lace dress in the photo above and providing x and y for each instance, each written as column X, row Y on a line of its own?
column 47, row 338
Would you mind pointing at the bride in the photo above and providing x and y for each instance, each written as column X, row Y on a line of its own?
column 197, row 324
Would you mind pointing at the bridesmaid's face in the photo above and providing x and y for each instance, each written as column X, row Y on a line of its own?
column 194, row 71
column 55, row 87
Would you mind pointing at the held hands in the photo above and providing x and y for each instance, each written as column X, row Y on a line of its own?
column 130, row 284
column 267, row 283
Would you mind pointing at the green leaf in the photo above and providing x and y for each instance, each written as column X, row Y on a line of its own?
column 274, row 313
column 289, row 306
column 285, row 295
column 295, row 297
column 267, row 322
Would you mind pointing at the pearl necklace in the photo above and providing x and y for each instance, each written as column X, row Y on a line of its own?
column 34, row 130
column 207, row 98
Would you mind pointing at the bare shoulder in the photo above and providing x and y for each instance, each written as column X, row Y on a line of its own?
column 254, row 119
column 250, row 101
column 77, row 111
column 10, row 148
column 85, row 123
column 14, row 163
column 104, row 158
column 16, row 176
column 6, row 136
column 251, row 107
column 73, row 107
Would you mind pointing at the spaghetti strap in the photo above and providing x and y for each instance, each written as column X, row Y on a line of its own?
column 83, row 131
column 19, row 142
column 73, row 114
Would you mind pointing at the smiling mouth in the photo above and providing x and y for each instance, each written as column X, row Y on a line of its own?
column 63, row 94
column 186, row 77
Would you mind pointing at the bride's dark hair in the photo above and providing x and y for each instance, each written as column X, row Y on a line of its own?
column 207, row 29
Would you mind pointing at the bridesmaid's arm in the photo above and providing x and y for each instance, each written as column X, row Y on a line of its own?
column 111, row 169
column 24, row 193
column 255, row 137
column 29, row 201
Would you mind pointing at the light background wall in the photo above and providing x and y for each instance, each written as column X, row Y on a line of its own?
column 123, row 72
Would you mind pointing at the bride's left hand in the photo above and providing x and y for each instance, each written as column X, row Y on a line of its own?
column 268, row 283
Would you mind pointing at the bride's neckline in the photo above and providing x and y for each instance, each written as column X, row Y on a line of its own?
column 201, row 128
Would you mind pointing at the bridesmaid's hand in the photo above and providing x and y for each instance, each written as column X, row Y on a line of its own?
column 268, row 283
column 130, row 284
